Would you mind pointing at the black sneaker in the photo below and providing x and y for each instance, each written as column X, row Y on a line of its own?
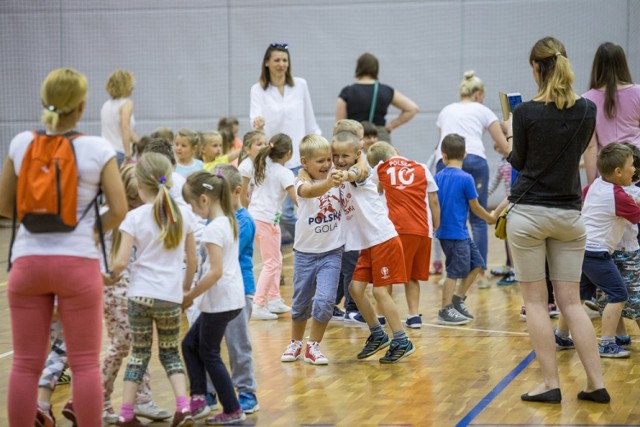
column 373, row 345
column 338, row 314
column 398, row 351
column 64, row 378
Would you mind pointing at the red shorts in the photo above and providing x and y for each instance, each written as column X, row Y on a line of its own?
column 382, row 264
column 417, row 256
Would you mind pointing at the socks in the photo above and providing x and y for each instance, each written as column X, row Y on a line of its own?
column 400, row 335
column 377, row 330
column 182, row 404
column 126, row 411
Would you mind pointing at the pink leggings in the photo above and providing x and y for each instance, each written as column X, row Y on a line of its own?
column 268, row 240
column 33, row 283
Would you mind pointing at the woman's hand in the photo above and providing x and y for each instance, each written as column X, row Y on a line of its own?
column 258, row 123
column 187, row 300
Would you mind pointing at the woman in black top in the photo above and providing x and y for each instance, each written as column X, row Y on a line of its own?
column 546, row 221
column 354, row 101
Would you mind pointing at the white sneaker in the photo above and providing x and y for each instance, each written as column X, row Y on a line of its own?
column 109, row 416
column 262, row 313
column 152, row 412
column 313, row 354
column 278, row 306
column 292, row 352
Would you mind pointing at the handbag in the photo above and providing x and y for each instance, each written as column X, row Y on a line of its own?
column 501, row 223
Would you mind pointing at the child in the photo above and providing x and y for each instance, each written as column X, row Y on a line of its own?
column 163, row 146
column 186, row 146
column 381, row 260
column 52, row 374
column 273, row 182
column 212, row 151
column 222, row 294
column 457, row 194
column 231, row 123
column 252, row 143
column 370, row 135
column 317, row 250
column 605, row 211
column 161, row 232
column 412, row 199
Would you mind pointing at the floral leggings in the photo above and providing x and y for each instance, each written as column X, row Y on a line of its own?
column 120, row 339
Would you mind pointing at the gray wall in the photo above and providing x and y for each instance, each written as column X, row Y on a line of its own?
column 195, row 60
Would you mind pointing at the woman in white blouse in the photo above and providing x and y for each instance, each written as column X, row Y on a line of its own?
column 280, row 103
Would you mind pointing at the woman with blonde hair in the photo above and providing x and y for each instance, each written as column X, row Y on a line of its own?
column 62, row 265
column 116, row 116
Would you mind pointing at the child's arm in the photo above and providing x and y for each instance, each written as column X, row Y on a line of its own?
column 292, row 193
column 310, row 190
column 590, row 155
column 122, row 258
column 209, row 279
column 478, row 210
column 244, row 197
column 232, row 155
column 191, row 261
column 434, row 205
column 362, row 166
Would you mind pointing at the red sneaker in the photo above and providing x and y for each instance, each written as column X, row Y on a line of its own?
column 292, row 351
column 313, row 354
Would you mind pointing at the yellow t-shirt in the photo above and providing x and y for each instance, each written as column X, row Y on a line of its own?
column 222, row 159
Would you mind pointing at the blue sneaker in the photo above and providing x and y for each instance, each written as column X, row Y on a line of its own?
column 382, row 321
column 611, row 349
column 354, row 317
column 374, row 345
column 248, row 402
column 624, row 342
column 414, row 322
column 212, row 401
column 338, row 314
column 564, row 343
column 398, row 351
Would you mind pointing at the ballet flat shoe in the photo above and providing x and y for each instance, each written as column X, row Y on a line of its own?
column 599, row 396
column 551, row 396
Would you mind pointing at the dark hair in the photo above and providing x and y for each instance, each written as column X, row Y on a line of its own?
column 612, row 156
column 227, row 139
column 556, row 76
column 227, row 122
column 367, row 65
column 265, row 77
column 369, row 129
column 454, row 146
column 160, row 146
column 609, row 68
column 138, row 146
column 163, row 132
column 279, row 146
column 636, row 160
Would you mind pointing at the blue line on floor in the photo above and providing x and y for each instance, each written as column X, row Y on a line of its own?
column 466, row 421
column 553, row 425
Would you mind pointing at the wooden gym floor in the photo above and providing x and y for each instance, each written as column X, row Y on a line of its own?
column 470, row 375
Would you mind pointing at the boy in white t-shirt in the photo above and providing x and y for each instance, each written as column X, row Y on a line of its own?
column 317, row 248
column 381, row 260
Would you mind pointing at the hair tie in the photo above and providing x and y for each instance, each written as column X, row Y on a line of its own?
column 271, row 144
column 207, row 186
column 162, row 180
column 219, row 173
column 52, row 108
column 558, row 54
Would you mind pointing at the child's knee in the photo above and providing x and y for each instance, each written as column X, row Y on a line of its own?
column 323, row 310
column 301, row 312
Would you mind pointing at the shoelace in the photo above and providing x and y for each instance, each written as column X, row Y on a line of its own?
column 315, row 351
column 293, row 348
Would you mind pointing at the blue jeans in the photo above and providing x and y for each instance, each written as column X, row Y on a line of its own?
column 478, row 168
column 289, row 218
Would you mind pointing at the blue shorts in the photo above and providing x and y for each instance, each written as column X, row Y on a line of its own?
column 462, row 256
column 599, row 270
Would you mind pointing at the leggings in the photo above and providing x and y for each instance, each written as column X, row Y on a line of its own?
column 34, row 282
column 268, row 240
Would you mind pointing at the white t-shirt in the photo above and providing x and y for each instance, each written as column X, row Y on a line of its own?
column 267, row 197
column 92, row 154
column 178, row 182
column 157, row 272
column 467, row 119
column 246, row 171
column 629, row 241
column 228, row 292
column 291, row 114
column 367, row 219
column 319, row 225
column 110, row 122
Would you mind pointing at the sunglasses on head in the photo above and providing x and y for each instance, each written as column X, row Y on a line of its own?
column 280, row 45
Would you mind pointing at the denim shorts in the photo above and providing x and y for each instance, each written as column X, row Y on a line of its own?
column 599, row 270
column 462, row 256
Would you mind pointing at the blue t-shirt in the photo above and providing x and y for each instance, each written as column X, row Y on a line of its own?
column 188, row 170
column 455, row 189
column 247, row 232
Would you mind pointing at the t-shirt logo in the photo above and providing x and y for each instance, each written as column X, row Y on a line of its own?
column 327, row 213
column 401, row 177
column 384, row 271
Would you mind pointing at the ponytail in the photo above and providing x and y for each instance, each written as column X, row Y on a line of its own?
column 556, row 77
column 279, row 146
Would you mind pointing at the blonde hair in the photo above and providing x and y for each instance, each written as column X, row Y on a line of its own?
column 153, row 172
column 128, row 175
column 470, row 84
column 230, row 172
column 556, row 77
column 312, row 144
column 62, row 91
column 379, row 152
column 279, row 146
column 215, row 187
column 348, row 125
column 120, row 84
column 248, row 140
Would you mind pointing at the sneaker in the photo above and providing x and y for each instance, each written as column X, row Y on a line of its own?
column 592, row 305
column 398, row 351
column 222, row 418
column 624, row 342
column 338, row 314
column 109, row 415
column 563, row 343
column 382, row 320
column 414, row 322
column 612, row 349
column 461, row 307
column 437, row 267
column 553, row 310
column 354, row 317
column 45, row 418
column 450, row 316
column 248, row 402
column 199, row 408
column 292, row 351
column 501, row 271
column 260, row 312
column 64, row 378
column 374, row 345
column 212, row 401
column 523, row 313
column 278, row 306
column 183, row 419
column 151, row 412
column 507, row 280
column 69, row 413
column 133, row 422
column 313, row 354
column 483, row 283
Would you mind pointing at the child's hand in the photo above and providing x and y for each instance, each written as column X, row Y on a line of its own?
column 493, row 218
column 187, row 301
column 110, row 279
column 258, row 123
column 303, row 175
column 337, row 177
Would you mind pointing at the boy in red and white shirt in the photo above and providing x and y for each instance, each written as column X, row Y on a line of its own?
column 412, row 199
